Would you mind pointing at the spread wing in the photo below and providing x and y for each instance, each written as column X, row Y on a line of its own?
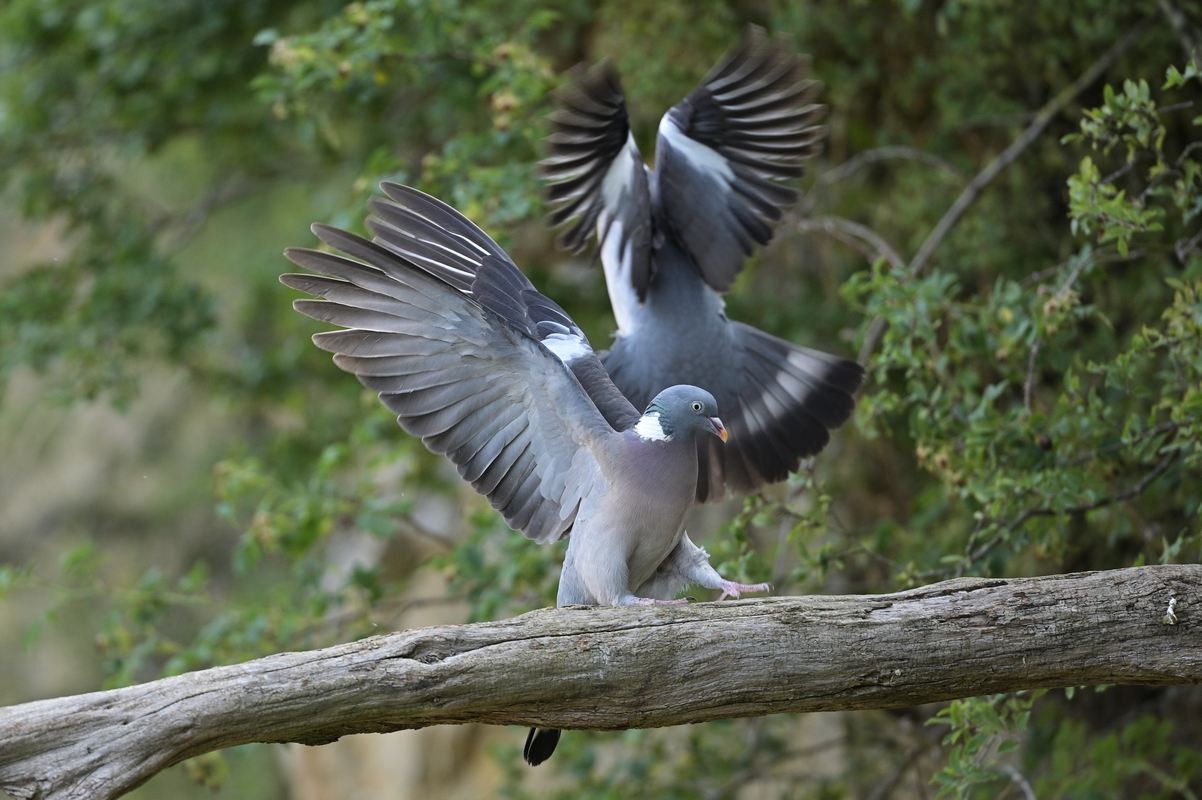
column 423, row 229
column 722, row 152
column 460, row 375
column 596, row 181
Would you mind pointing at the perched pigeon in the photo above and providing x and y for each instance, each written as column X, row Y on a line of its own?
column 673, row 240
column 497, row 377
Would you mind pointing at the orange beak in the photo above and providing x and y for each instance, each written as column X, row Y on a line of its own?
column 718, row 428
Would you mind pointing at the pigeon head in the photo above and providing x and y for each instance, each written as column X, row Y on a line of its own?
column 681, row 411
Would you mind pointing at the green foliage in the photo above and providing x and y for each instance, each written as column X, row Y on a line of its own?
column 498, row 573
column 981, row 731
column 1169, row 183
column 1140, row 759
column 1034, row 396
column 84, row 93
column 449, row 78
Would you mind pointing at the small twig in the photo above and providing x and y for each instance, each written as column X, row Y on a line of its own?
column 1172, row 107
column 890, row 152
column 1191, row 42
column 1072, row 277
column 1184, row 154
column 1018, row 780
column 1111, row 257
column 870, row 243
column 1164, row 427
column 1121, row 171
column 228, row 191
column 1029, row 383
column 885, row 788
column 860, row 237
column 1176, row 783
column 1129, row 493
column 731, row 786
column 397, row 606
column 412, row 528
column 1183, row 247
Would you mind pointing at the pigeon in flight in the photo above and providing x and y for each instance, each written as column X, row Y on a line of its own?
column 673, row 240
column 486, row 370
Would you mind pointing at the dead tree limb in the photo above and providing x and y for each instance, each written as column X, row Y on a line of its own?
column 612, row 668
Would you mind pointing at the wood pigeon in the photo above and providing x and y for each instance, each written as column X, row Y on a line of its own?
column 491, row 373
column 673, row 240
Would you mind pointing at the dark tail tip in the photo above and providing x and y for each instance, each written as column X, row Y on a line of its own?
column 540, row 744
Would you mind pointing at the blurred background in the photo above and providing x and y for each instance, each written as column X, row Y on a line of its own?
column 1004, row 226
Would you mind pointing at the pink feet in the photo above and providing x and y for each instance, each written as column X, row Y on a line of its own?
column 734, row 590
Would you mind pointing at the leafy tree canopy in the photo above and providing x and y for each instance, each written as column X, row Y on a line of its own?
column 1005, row 225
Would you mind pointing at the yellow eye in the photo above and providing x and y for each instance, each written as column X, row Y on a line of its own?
column 697, row 406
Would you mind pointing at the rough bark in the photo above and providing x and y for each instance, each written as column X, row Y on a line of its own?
column 629, row 667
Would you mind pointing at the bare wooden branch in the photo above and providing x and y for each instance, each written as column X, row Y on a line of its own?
column 854, row 234
column 611, row 668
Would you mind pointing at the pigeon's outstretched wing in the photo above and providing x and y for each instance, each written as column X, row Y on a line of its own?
column 597, row 182
column 427, row 231
column 723, row 150
column 460, row 374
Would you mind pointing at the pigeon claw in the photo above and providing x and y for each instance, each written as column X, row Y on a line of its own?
column 734, row 590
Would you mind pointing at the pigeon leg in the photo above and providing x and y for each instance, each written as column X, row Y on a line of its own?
column 689, row 563
column 733, row 590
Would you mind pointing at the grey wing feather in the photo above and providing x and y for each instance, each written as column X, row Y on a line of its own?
column 785, row 401
column 723, row 151
column 512, row 418
column 423, row 229
column 596, row 180
column 778, row 400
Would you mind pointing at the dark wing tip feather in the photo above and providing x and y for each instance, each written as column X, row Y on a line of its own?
column 752, row 124
column 591, row 152
column 786, row 402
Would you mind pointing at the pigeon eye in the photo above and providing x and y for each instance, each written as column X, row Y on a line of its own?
column 697, row 406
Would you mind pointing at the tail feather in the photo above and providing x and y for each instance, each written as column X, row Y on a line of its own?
column 779, row 401
column 783, row 405
column 540, row 744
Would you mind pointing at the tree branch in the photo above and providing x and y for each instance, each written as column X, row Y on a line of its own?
column 864, row 239
column 1024, row 140
column 889, row 152
column 611, row 668
column 986, row 176
column 1191, row 41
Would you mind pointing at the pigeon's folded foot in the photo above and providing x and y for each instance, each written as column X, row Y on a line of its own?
column 734, row 590
column 651, row 601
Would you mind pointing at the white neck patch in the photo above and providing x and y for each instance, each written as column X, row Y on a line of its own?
column 649, row 429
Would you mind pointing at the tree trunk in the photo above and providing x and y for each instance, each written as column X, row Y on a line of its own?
column 635, row 667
